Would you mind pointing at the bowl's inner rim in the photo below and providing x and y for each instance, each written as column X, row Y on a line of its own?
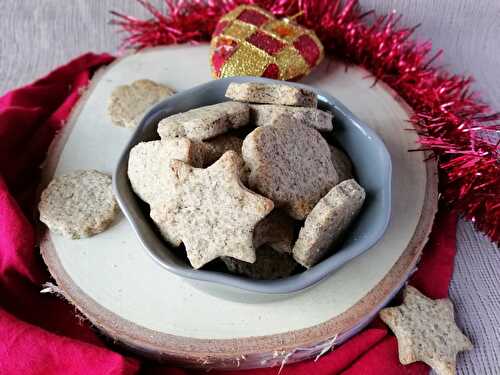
column 284, row 285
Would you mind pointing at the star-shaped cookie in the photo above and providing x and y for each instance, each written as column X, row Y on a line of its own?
column 211, row 211
column 426, row 331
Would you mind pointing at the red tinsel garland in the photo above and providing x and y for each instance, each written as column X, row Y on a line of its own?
column 450, row 119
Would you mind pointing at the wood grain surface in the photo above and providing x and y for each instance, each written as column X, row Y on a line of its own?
column 223, row 331
column 39, row 35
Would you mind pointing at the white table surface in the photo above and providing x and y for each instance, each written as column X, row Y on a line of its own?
column 38, row 35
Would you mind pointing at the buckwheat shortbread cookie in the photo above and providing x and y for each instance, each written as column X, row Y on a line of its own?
column 216, row 147
column 205, row 122
column 271, row 114
column 269, row 265
column 290, row 165
column 148, row 165
column 341, row 163
column 252, row 92
column 128, row 103
column 426, row 331
column 327, row 221
column 275, row 230
column 211, row 211
column 77, row 205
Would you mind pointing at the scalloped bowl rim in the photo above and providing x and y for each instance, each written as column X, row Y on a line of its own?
column 156, row 247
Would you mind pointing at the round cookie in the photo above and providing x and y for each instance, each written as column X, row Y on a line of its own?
column 275, row 230
column 128, row 103
column 216, row 147
column 291, row 165
column 77, row 205
column 327, row 221
column 341, row 163
column 148, row 163
column 269, row 265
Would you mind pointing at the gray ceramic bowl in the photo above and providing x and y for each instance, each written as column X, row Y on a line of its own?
column 373, row 171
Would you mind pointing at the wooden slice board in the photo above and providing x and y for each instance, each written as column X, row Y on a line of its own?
column 113, row 281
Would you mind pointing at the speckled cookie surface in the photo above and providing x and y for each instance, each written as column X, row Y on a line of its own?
column 271, row 94
column 211, row 211
column 205, row 122
column 341, row 163
column 128, row 103
column 275, row 230
column 327, row 221
column 291, row 165
column 426, row 331
column 148, row 165
column 269, row 114
column 216, row 147
column 269, row 265
column 77, row 205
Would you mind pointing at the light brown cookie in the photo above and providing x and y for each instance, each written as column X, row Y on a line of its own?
column 275, row 230
column 148, row 165
column 290, row 165
column 271, row 94
column 269, row 265
column 341, row 163
column 327, row 221
column 205, row 122
column 426, row 331
column 216, row 147
column 77, row 205
column 128, row 104
column 269, row 114
column 211, row 211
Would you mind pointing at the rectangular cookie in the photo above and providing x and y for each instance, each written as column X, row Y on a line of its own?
column 272, row 114
column 271, row 94
column 205, row 122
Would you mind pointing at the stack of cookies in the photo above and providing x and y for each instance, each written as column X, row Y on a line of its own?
column 251, row 181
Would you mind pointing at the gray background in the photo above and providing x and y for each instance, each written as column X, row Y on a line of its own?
column 38, row 35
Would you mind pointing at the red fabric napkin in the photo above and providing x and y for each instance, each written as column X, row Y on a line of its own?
column 41, row 334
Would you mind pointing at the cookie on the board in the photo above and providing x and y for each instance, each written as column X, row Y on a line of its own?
column 128, row 103
column 291, row 165
column 211, row 211
column 79, row 204
column 265, row 93
column 426, row 331
column 269, row 265
column 205, row 122
column 272, row 114
column 327, row 221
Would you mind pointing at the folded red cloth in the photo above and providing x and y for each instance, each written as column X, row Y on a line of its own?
column 40, row 333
